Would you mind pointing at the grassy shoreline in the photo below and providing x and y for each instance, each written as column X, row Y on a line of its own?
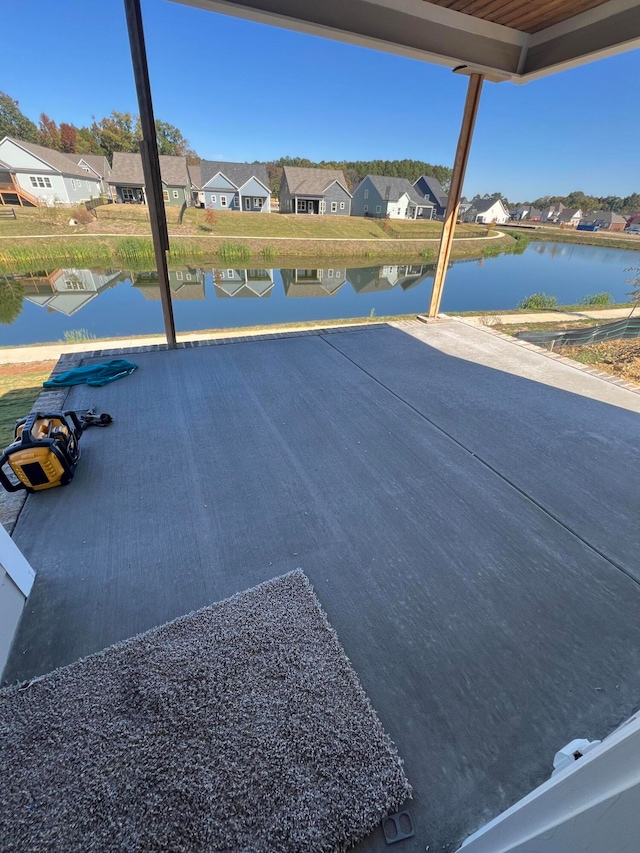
column 137, row 252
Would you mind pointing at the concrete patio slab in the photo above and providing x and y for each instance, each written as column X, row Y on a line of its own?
column 468, row 527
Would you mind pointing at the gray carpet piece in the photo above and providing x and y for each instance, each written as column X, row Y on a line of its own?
column 241, row 727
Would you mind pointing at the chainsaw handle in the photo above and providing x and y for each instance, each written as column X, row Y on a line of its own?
column 27, row 427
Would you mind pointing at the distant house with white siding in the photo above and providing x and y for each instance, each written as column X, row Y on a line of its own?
column 389, row 198
column 41, row 176
column 487, row 210
column 571, row 216
column 551, row 213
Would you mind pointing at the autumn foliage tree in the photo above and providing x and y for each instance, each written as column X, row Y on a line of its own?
column 49, row 133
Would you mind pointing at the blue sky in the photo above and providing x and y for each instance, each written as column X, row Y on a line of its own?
column 245, row 91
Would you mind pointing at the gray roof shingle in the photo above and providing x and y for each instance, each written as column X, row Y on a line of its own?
column 301, row 180
column 56, row 159
column 605, row 216
column 195, row 174
column 127, row 169
column 436, row 188
column 391, row 189
column 237, row 173
column 481, row 205
column 98, row 162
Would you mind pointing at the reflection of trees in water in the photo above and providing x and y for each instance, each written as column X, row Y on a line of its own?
column 11, row 300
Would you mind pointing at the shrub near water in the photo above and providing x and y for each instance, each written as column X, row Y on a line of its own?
column 538, row 302
column 603, row 298
column 234, row 252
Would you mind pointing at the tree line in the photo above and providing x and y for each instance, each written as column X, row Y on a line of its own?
column 588, row 203
column 115, row 132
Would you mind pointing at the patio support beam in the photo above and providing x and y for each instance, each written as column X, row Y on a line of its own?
column 151, row 162
column 457, row 179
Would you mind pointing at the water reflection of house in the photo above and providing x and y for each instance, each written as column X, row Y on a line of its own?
column 376, row 279
column 68, row 290
column 186, row 283
column 243, row 283
column 313, row 282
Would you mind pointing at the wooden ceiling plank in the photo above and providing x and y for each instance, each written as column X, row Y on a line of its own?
column 553, row 12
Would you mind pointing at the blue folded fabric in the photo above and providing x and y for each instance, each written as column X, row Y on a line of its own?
column 95, row 375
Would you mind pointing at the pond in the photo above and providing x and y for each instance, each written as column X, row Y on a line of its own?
column 105, row 303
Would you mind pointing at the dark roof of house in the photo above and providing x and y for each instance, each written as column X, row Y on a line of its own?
column 568, row 213
column 533, row 211
column 96, row 161
column 605, row 216
column 480, row 205
column 56, row 159
column 391, row 189
column 127, row 169
column 312, row 181
column 436, row 189
column 195, row 174
column 237, row 173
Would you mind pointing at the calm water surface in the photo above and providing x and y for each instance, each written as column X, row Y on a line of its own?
column 120, row 303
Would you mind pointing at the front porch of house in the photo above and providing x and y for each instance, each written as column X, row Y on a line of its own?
column 255, row 204
column 130, row 195
column 307, row 204
column 467, row 518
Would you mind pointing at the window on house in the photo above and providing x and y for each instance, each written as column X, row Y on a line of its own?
column 378, row 208
column 73, row 183
column 175, row 194
column 179, row 275
column 334, row 207
column 341, row 205
column 366, row 208
column 330, row 273
column 188, row 276
column 229, row 273
column 213, row 199
column 34, row 183
column 223, row 201
column 302, row 204
column 366, row 193
column 127, row 194
column 258, row 202
column 165, row 195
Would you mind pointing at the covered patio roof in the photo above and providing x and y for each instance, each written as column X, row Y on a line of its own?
column 516, row 40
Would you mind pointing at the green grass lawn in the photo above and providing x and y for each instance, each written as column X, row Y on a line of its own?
column 20, row 385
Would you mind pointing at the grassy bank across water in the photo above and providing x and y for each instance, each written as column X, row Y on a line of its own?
column 136, row 252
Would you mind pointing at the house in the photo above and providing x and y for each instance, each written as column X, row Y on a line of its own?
column 487, row 210
column 571, row 216
column 431, row 189
column 195, row 177
column 376, row 279
column 607, row 220
column 71, row 289
column 34, row 175
column 526, row 211
column 551, row 213
column 127, row 179
column 235, row 186
column 243, row 284
column 389, row 198
column 307, row 282
column 534, row 214
column 316, row 191
column 95, row 165
column 186, row 283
